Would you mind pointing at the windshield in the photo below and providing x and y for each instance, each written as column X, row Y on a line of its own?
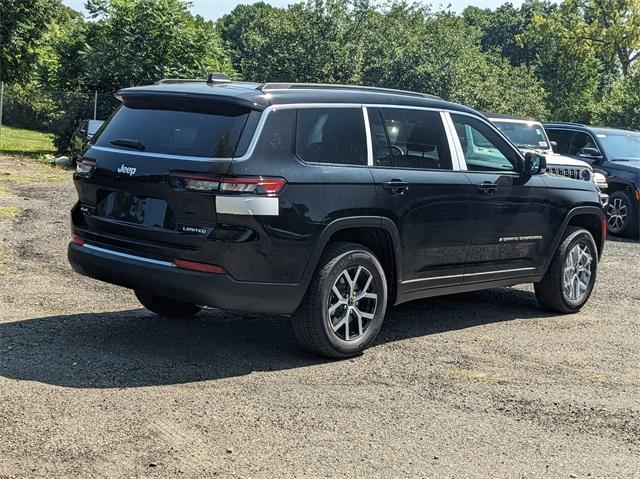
column 620, row 145
column 525, row 134
column 176, row 127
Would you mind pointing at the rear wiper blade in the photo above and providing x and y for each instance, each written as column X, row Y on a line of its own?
column 133, row 144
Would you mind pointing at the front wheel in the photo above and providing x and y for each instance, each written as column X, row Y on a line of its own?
column 344, row 307
column 568, row 282
column 169, row 308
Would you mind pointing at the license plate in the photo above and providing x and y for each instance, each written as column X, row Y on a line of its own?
column 134, row 209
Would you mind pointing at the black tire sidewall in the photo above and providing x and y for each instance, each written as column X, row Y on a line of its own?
column 580, row 237
column 349, row 260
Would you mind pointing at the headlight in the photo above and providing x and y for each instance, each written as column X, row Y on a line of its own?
column 600, row 180
column 585, row 175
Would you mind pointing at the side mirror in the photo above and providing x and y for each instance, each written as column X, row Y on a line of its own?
column 592, row 153
column 554, row 145
column 534, row 164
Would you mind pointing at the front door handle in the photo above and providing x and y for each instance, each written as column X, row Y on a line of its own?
column 487, row 188
column 397, row 187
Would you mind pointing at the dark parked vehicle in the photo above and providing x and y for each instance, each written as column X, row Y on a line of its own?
column 616, row 154
column 329, row 203
column 82, row 135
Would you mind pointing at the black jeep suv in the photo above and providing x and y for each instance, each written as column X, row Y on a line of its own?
column 329, row 203
column 616, row 154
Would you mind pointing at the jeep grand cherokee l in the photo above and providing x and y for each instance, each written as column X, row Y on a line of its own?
column 616, row 154
column 328, row 203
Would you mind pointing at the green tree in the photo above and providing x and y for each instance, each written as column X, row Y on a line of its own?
column 22, row 26
column 308, row 42
column 621, row 104
column 140, row 41
column 412, row 49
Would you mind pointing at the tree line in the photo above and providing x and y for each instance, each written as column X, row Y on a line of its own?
column 572, row 61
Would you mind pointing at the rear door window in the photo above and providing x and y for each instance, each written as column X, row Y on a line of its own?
column 409, row 138
column 175, row 127
column 331, row 135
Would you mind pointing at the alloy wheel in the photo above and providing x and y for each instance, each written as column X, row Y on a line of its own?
column 617, row 215
column 352, row 303
column 577, row 272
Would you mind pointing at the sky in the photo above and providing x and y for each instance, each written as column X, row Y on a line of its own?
column 214, row 9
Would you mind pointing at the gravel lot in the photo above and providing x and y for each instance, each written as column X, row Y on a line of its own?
column 476, row 385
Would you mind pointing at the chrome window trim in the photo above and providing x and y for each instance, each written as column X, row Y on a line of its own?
column 367, row 131
column 128, row 256
column 408, row 281
column 454, row 141
column 288, row 106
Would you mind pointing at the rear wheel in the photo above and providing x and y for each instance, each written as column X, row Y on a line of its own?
column 568, row 283
column 622, row 214
column 169, row 308
column 344, row 307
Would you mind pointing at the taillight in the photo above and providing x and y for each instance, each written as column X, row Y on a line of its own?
column 195, row 182
column 85, row 167
column 256, row 185
column 201, row 267
column 75, row 239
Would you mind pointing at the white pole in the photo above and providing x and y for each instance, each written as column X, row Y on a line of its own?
column 95, row 106
column 1, row 105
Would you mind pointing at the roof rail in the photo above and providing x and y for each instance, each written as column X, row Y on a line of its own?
column 571, row 123
column 264, row 87
column 179, row 80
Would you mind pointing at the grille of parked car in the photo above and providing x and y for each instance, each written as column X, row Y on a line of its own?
column 570, row 172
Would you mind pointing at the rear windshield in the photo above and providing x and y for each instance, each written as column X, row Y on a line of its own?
column 175, row 127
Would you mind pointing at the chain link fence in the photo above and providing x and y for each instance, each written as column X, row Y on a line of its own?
column 55, row 112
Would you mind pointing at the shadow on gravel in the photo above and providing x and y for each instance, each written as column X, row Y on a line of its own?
column 134, row 348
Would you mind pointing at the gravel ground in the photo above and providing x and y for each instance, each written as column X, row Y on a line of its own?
column 476, row 385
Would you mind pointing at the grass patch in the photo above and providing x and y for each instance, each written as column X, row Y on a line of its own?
column 17, row 141
column 7, row 212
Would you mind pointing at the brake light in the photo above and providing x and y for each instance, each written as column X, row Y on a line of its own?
column 75, row 239
column 201, row 267
column 256, row 185
column 85, row 167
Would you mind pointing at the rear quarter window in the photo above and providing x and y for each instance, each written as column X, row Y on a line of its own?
column 176, row 127
column 331, row 135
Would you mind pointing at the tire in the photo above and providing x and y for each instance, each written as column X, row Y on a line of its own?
column 551, row 291
column 622, row 214
column 168, row 308
column 336, row 333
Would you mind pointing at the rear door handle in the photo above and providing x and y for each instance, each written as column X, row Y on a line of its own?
column 397, row 187
column 487, row 188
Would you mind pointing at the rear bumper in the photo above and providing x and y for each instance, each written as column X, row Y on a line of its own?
column 164, row 279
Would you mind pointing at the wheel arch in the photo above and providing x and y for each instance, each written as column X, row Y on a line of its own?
column 377, row 233
column 591, row 218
